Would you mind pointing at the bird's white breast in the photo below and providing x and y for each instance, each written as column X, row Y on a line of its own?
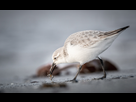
column 80, row 54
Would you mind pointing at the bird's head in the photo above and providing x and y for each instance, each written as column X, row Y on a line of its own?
column 57, row 57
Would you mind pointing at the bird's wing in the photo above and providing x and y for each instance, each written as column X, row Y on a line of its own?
column 90, row 37
column 114, row 32
column 84, row 38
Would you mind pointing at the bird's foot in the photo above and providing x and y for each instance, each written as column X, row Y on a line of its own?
column 73, row 81
column 101, row 78
column 51, row 76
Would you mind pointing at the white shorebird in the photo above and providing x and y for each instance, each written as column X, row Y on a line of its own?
column 83, row 47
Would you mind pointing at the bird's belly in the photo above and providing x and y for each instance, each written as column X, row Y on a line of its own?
column 80, row 54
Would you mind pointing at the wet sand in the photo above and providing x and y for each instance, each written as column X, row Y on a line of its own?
column 116, row 82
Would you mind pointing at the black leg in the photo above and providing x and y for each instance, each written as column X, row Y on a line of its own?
column 74, row 80
column 104, row 73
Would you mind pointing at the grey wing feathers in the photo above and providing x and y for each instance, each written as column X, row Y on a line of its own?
column 83, row 38
column 115, row 31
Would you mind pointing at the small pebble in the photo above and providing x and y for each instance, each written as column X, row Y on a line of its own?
column 47, row 85
column 34, row 81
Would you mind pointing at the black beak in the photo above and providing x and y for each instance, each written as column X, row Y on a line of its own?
column 52, row 68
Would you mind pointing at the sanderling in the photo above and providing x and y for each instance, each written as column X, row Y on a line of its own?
column 84, row 46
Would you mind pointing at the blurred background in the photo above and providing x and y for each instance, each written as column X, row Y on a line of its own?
column 29, row 37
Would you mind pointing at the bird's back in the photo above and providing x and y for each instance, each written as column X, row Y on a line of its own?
column 84, row 38
column 90, row 37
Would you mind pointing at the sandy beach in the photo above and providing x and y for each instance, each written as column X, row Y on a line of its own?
column 116, row 82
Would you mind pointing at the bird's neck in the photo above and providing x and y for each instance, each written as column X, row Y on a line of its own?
column 65, row 54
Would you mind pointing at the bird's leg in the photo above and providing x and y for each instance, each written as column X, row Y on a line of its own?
column 104, row 73
column 74, row 79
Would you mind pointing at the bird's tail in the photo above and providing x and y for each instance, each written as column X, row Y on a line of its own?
column 115, row 31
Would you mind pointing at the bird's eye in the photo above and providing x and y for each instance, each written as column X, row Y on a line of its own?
column 55, row 58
